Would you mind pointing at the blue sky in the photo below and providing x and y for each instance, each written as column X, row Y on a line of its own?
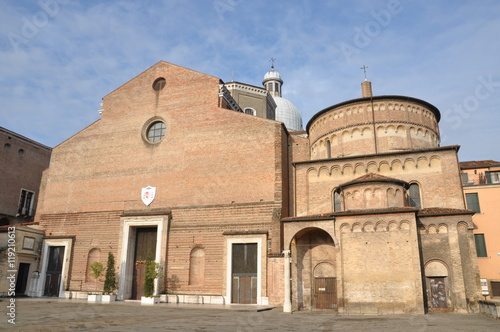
column 60, row 57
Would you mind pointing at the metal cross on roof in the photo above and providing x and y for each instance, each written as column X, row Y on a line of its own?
column 272, row 62
column 364, row 70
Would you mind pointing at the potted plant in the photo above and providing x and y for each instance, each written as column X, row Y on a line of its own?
column 96, row 269
column 110, row 280
column 152, row 271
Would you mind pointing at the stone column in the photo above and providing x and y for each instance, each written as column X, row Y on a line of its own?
column 287, row 305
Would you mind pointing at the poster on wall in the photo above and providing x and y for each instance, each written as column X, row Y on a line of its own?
column 484, row 287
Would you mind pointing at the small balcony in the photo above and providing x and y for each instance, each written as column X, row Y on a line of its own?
column 480, row 178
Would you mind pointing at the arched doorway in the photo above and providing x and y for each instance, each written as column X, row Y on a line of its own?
column 314, row 276
column 437, row 285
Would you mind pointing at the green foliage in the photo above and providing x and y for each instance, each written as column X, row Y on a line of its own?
column 96, row 269
column 110, row 281
column 153, row 271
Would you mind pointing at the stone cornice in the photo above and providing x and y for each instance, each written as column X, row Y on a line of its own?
column 245, row 87
column 375, row 155
column 371, row 124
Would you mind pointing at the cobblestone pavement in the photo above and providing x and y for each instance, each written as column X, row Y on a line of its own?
column 72, row 315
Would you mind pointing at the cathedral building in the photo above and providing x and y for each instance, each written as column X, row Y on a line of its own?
column 362, row 212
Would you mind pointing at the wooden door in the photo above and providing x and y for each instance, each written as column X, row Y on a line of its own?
column 54, row 269
column 244, row 273
column 438, row 292
column 325, row 293
column 244, row 289
column 145, row 244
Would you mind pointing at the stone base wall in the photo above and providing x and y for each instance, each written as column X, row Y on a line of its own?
column 380, row 265
column 490, row 308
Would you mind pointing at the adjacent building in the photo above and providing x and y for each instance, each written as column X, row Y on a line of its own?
column 22, row 163
column 481, row 181
column 363, row 212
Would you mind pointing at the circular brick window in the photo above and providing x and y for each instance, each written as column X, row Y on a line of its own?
column 156, row 131
column 159, row 84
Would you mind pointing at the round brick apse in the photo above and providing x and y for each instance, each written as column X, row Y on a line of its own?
column 373, row 125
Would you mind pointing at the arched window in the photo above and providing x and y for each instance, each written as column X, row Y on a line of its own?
column 337, row 206
column 415, row 195
column 197, row 266
column 328, row 149
column 249, row 111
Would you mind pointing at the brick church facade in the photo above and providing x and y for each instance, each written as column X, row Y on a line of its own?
column 361, row 213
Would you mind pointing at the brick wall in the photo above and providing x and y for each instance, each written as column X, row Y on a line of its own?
column 208, row 228
column 22, row 162
column 448, row 240
column 208, row 156
column 215, row 170
column 92, row 231
column 380, row 266
column 436, row 172
column 352, row 128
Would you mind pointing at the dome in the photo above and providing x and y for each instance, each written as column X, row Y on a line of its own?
column 272, row 75
column 287, row 113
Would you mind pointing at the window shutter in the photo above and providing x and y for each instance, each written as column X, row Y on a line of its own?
column 495, row 288
column 480, row 245
column 473, row 202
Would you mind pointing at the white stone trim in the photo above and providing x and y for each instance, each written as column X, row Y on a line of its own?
column 67, row 244
column 245, row 87
column 127, row 243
